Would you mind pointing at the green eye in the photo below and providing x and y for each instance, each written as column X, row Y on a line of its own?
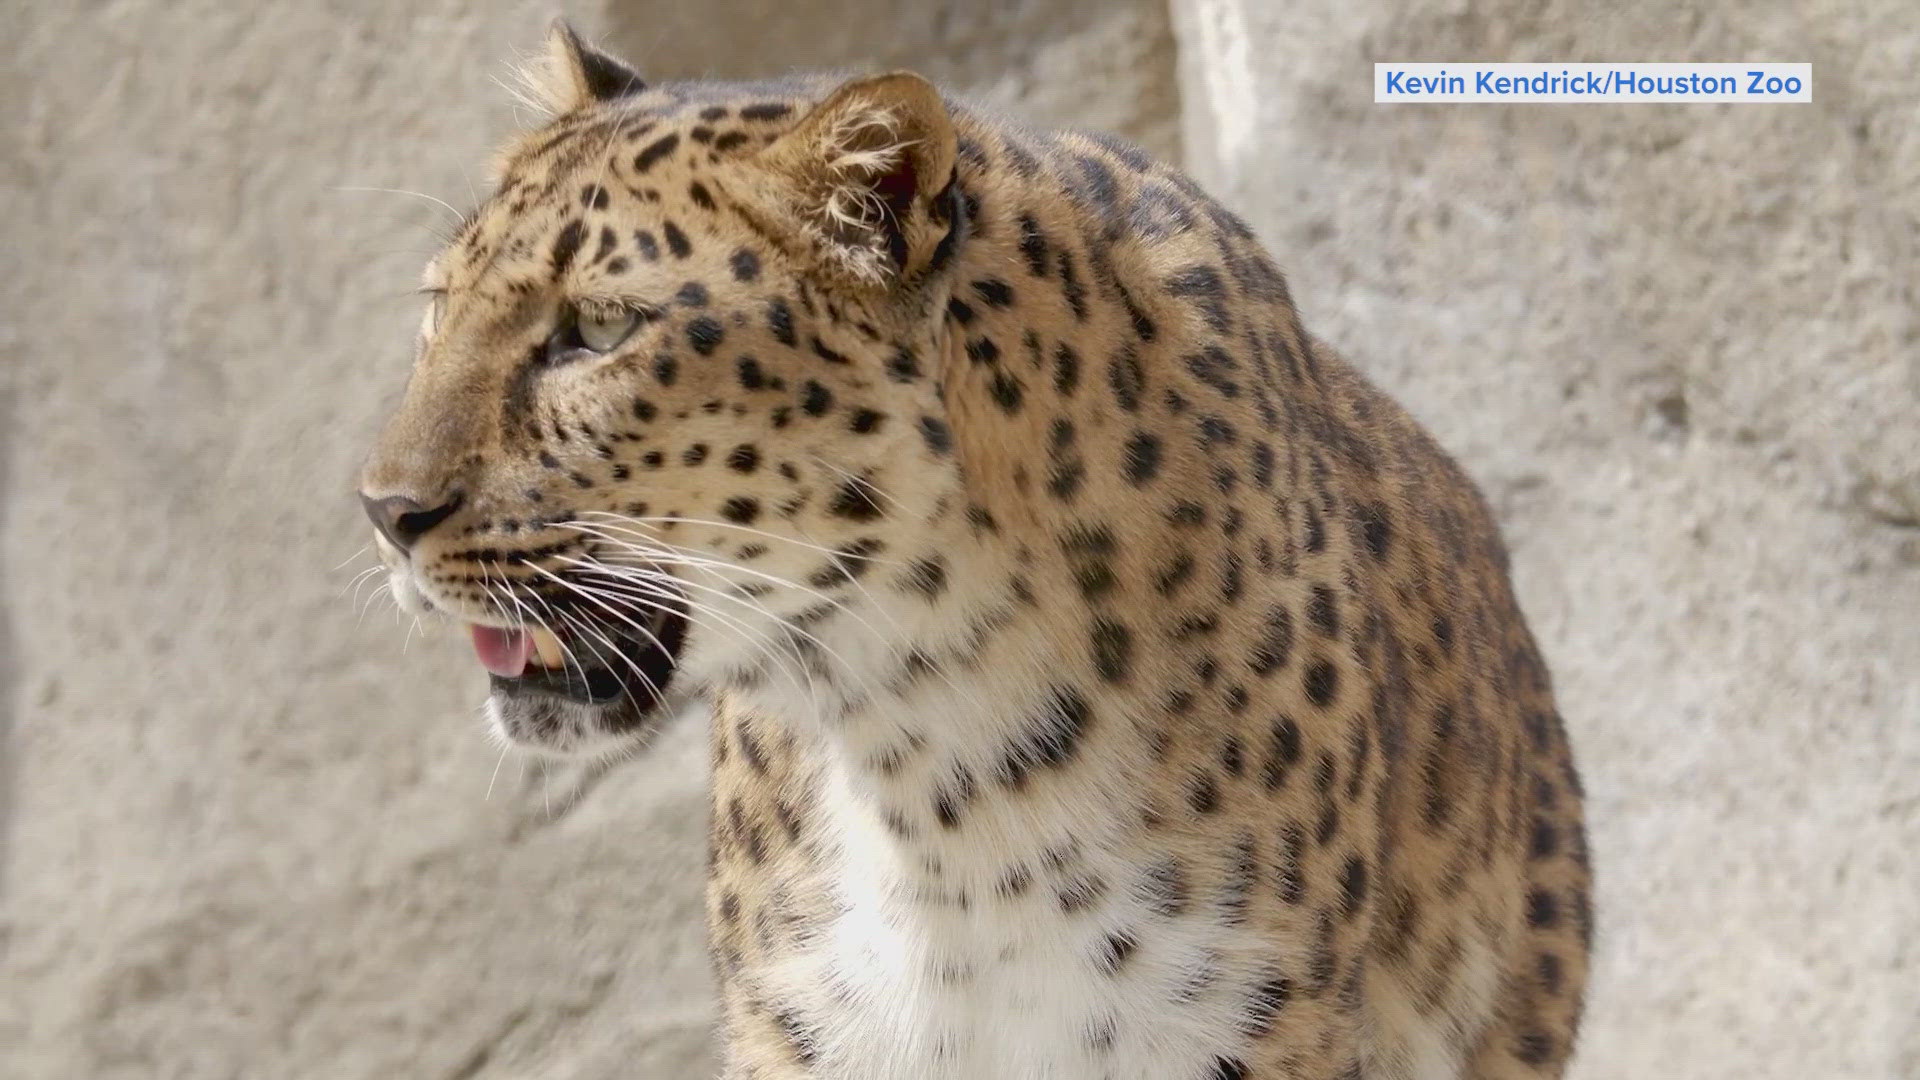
column 604, row 331
column 585, row 333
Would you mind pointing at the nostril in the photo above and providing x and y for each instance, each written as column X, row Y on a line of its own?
column 403, row 520
column 415, row 523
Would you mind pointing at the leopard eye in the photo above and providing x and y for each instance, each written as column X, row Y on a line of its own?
column 582, row 334
column 603, row 331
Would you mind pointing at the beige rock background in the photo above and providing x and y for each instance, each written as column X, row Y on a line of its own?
column 244, row 838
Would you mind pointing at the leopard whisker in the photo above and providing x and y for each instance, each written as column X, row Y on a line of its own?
column 552, row 620
column 655, row 588
column 782, row 624
column 761, row 640
column 654, row 549
column 349, row 559
column 584, row 623
column 459, row 219
column 678, row 520
column 660, row 552
column 707, row 565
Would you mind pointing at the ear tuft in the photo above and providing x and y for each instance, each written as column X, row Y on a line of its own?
column 862, row 174
column 577, row 74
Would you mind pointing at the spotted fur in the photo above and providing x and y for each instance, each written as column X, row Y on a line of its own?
column 1107, row 682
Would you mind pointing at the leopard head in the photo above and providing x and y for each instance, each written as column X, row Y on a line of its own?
column 674, row 386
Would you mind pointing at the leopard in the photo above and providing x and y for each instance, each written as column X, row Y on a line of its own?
column 1103, row 680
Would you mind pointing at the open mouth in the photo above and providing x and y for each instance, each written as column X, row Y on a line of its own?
column 628, row 660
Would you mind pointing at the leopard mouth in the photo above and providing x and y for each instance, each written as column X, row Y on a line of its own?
column 628, row 664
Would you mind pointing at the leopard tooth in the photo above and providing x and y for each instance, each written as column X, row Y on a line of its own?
column 546, row 647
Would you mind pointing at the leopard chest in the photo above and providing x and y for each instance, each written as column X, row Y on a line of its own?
column 1013, row 945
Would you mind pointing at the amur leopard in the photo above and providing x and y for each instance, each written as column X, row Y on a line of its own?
column 1105, row 681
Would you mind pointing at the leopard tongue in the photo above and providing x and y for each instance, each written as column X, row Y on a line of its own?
column 502, row 652
column 507, row 653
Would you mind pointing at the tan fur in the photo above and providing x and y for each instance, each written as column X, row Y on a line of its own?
column 822, row 192
column 1108, row 681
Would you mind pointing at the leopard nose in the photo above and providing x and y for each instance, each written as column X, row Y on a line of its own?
column 403, row 520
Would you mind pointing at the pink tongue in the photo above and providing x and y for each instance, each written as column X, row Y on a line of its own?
column 503, row 652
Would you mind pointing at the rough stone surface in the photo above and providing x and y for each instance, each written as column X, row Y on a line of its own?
column 241, row 837
column 1679, row 347
column 1102, row 64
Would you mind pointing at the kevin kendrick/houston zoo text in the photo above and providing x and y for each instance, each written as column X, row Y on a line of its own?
column 1517, row 83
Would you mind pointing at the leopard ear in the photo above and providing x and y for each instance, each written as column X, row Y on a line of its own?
column 865, row 180
column 578, row 74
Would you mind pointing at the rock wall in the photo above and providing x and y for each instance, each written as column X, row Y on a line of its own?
column 241, row 837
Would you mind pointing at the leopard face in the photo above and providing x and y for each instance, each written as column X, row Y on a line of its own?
column 670, row 390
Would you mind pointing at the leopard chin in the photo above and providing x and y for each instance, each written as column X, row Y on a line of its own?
column 548, row 725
